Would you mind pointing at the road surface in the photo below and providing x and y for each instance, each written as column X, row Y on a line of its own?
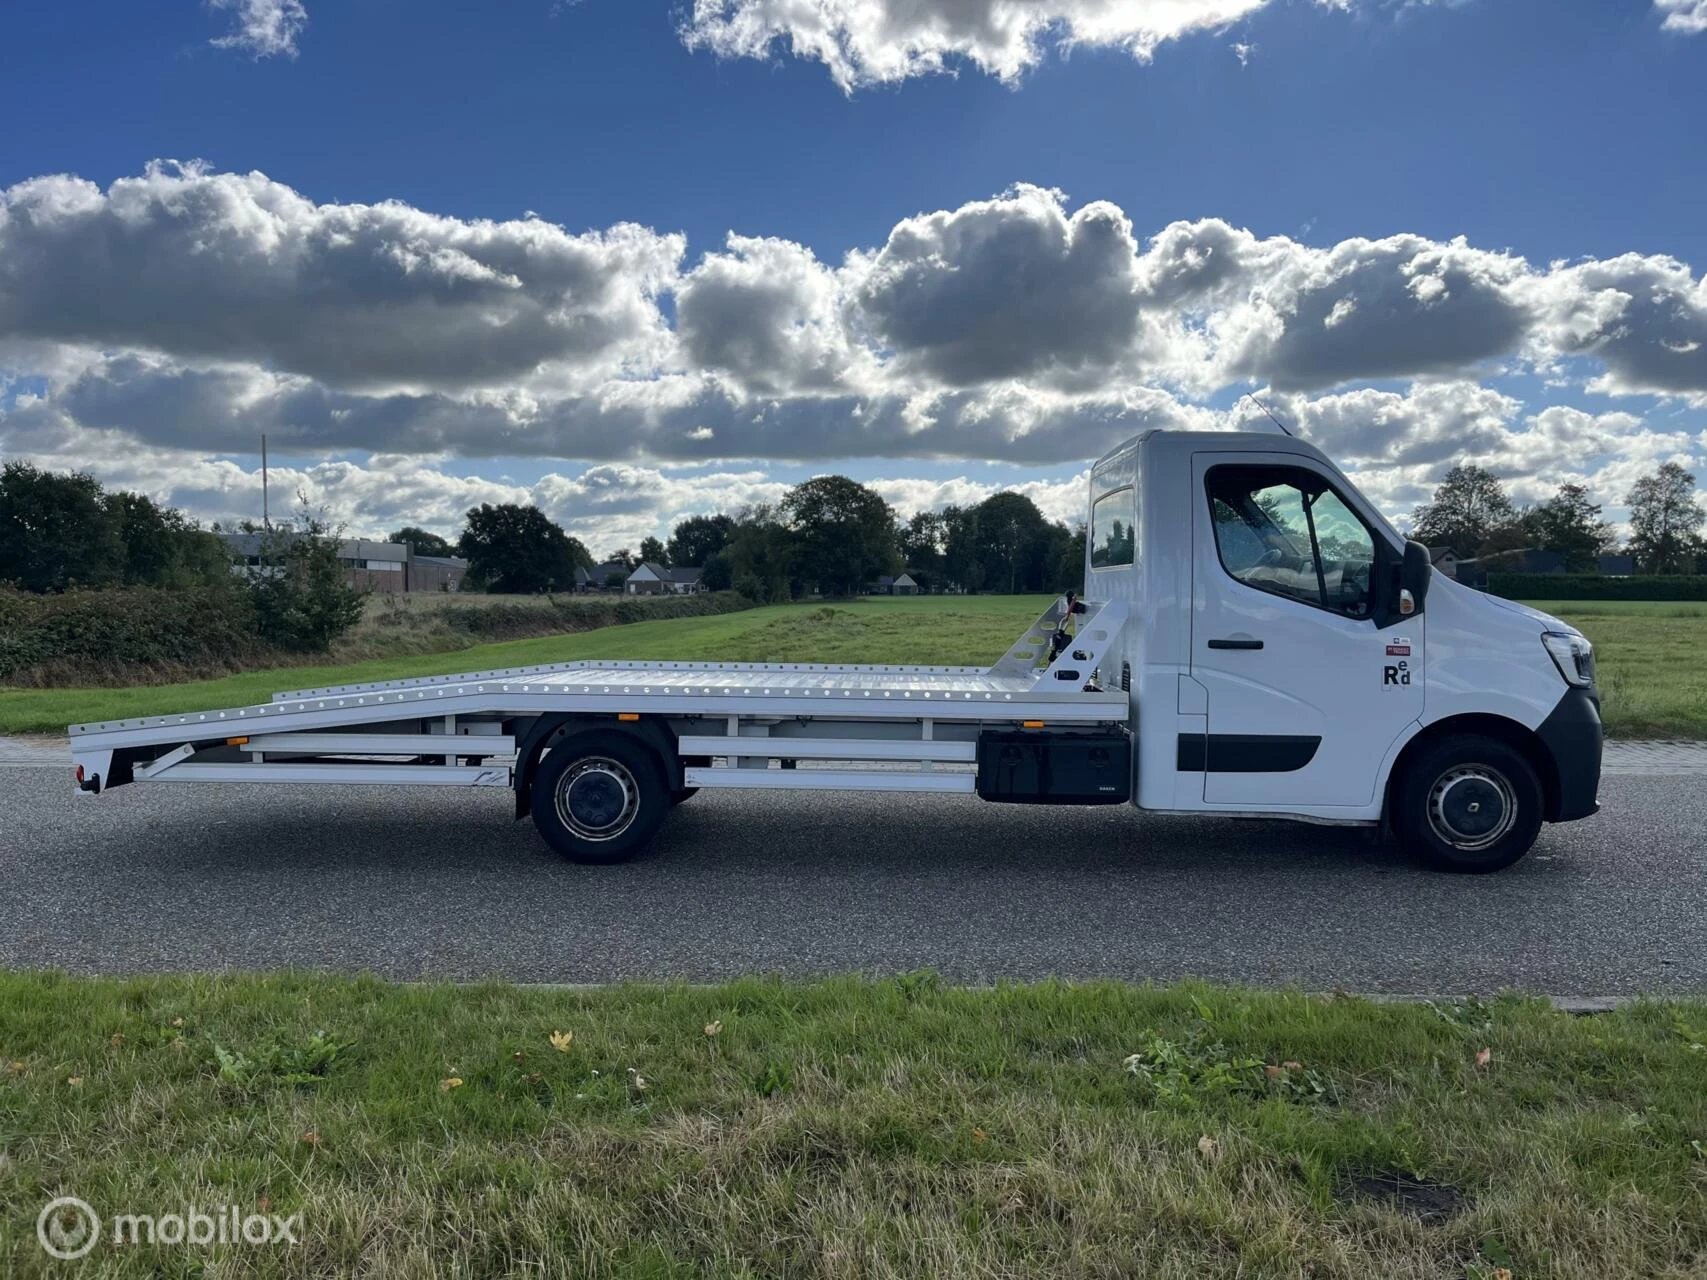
column 439, row 883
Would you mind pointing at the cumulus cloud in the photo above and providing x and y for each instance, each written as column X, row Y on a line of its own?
column 181, row 313
column 1643, row 317
column 238, row 267
column 262, row 28
column 1686, row 16
column 871, row 42
column 1002, row 289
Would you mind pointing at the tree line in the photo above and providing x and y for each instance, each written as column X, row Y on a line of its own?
column 64, row 531
column 829, row 535
column 1472, row 514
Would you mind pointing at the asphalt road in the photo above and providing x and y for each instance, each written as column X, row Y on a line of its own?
column 439, row 883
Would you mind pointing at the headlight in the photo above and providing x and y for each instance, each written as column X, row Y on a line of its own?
column 1573, row 655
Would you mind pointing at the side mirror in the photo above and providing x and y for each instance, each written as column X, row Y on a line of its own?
column 1414, row 576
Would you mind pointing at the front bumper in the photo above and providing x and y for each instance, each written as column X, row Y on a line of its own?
column 1573, row 736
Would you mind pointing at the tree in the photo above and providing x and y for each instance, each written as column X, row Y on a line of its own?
column 1570, row 524
column 303, row 601
column 761, row 555
column 1070, row 564
column 1014, row 547
column 922, row 541
column 626, row 558
column 719, row 574
column 695, row 540
column 424, row 542
column 652, row 552
column 845, row 533
column 516, row 549
column 1665, row 521
column 55, row 531
column 960, row 548
column 1467, row 508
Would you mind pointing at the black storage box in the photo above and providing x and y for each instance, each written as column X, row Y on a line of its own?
column 1037, row 767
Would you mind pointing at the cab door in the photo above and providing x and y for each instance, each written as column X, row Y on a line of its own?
column 1309, row 674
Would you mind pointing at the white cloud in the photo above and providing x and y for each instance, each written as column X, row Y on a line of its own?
column 871, row 42
column 1687, row 16
column 371, row 297
column 262, row 28
column 177, row 315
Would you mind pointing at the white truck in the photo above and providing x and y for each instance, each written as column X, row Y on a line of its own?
column 1255, row 641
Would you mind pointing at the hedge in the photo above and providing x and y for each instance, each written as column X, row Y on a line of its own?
column 126, row 627
column 1597, row 586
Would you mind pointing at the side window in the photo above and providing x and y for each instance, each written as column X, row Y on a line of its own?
column 1284, row 531
column 1113, row 537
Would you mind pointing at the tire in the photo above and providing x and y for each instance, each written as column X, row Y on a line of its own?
column 1469, row 803
column 683, row 793
column 598, row 798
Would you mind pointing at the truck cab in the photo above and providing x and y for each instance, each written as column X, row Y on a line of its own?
column 1288, row 654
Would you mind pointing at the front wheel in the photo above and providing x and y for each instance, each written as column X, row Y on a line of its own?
column 598, row 798
column 1469, row 803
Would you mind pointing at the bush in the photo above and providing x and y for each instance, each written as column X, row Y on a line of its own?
column 1596, row 586
column 91, row 633
column 301, row 601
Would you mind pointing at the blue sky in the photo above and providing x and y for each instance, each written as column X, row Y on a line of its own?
column 1537, row 131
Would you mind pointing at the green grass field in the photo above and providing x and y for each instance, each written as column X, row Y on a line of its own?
column 894, row 1128
column 1653, row 657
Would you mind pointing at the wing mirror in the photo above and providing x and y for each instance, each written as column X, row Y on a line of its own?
column 1414, row 576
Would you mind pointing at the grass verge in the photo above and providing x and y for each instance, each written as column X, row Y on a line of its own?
column 854, row 1128
column 1652, row 655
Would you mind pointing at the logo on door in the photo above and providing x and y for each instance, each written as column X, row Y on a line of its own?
column 1395, row 675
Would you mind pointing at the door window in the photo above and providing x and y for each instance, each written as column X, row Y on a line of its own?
column 1112, row 533
column 1284, row 531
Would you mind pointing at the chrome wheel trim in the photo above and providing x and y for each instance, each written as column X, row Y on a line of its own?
column 1462, row 793
column 613, row 772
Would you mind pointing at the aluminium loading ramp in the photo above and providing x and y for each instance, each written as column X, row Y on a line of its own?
column 1023, row 685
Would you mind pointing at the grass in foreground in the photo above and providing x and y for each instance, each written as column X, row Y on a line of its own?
column 1653, row 656
column 852, row 1128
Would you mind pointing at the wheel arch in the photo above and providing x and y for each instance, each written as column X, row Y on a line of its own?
column 546, row 730
column 1514, row 734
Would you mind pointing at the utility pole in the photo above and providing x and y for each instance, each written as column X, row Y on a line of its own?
column 266, row 519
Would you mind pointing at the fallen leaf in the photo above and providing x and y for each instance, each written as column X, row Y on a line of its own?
column 1292, row 1066
column 177, row 1022
column 638, row 1082
column 74, row 1081
column 1501, row 1273
column 449, row 1083
column 264, row 1203
column 712, row 1028
column 311, row 1138
column 1483, row 1057
column 519, row 1056
column 18, row 1068
column 561, row 1040
column 978, row 1135
column 1208, row 1148
column 117, row 1039
column 1272, row 1072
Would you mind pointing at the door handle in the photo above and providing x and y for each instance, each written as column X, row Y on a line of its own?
column 1236, row 642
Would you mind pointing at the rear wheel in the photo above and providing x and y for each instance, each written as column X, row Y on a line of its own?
column 1469, row 803
column 598, row 798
